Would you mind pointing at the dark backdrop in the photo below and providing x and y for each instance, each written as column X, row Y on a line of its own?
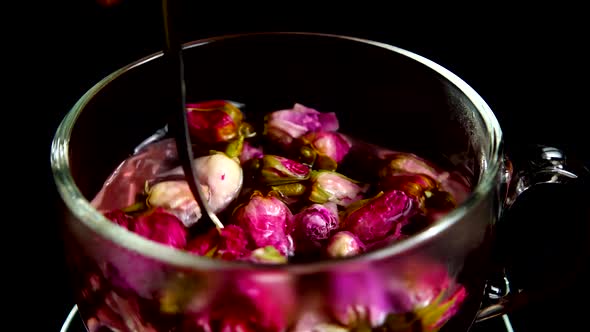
column 527, row 64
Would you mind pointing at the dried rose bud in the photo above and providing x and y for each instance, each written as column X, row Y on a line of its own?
column 267, row 255
column 119, row 313
column 440, row 201
column 314, row 224
column 448, row 308
column 235, row 324
column 380, row 216
column 223, row 177
column 324, row 327
column 177, row 198
column 358, row 298
column 204, row 244
column 334, row 187
column 228, row 243
column 344, row 244
column 412, row 184
column 420, row 285
column 250, row 152
column 161, row 226
column 266, row 219
column 233, row 243
column 199, row 322
column 213, row 121
column 249, row 301
column 271, row 296
column 331, row 145
column 313, row 319
column 285, row 125
column 404, row 163
column 290, row 189
column 418, row 186
column 220, row 178
column 279, row 170
column 428, row 292
column 120, row 218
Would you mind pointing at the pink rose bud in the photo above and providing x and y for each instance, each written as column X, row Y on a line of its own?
column 161, row 226
column 279, row 170
column 213, row 121
column 250, row 151
column 313, row 225
column 266, row 220
column 204, row 244
column 344, row 244
column 332, row 145
column 120, row 218
column 380, row 216
column 233, row 243
column 285, row 125
column 334, row 187
column 267, row 255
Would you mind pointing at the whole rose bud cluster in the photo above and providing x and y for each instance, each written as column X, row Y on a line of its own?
column 294, row 189
column 282, row 194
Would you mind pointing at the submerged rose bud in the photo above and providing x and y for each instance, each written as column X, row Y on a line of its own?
column 233, row 243
column 455, row 183
column 220, row 178
column 344, row 244
column 270, row 299
column 404, row 163
column 358, row 298
column 331, row 328
column 285, row 125
column 279, row 170
column 250, row 152
column 204, row 244
column 161, row 226
column 249, row 301
column 223, row 177
column 177, row 198
column 213, row 121
column 413, row 184
column 290, row 189
column 268, row 255
column 331, row 145
column 235, row 324
column 119, row 313
column 120, row 218
column 334, row 187
column 313, row 225
column 380, row 216
column 448, row 308
column 316, row 320
column 228, row 243
column 420, row 285
column 266, row 220
column 418, row 186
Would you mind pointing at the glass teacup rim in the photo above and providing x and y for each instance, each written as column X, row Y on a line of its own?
column 92, row 218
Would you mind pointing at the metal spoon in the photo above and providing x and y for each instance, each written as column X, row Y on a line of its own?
column 176, row 93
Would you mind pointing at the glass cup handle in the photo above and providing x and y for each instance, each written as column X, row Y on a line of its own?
column 539, row 165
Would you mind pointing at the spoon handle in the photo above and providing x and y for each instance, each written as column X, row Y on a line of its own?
column 175, row 92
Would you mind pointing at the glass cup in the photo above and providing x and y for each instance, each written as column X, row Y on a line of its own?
column 381, row 94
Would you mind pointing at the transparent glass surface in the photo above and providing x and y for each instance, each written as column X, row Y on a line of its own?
column 381, row 94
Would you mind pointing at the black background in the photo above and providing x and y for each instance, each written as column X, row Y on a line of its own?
column 528, row 64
